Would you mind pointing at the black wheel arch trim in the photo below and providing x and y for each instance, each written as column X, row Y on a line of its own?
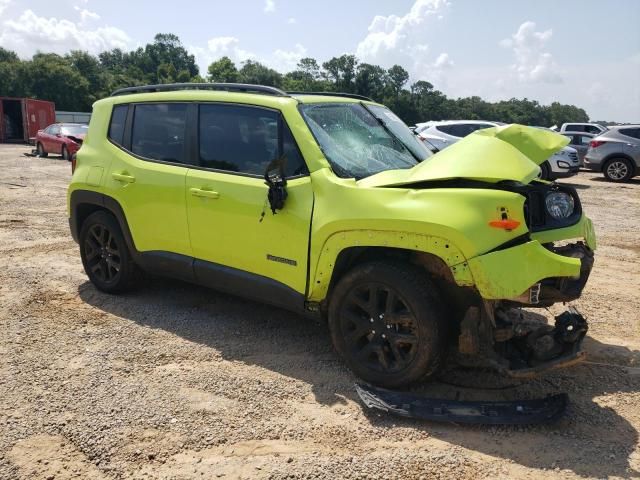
column 105, row 202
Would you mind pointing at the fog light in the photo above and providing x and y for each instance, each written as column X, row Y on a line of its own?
column 562, row 164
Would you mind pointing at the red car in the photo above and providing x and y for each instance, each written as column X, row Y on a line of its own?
column 61, row 138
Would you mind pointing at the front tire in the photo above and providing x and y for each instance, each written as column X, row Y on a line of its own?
column 40, row 150
column 618, row 170
column 65, row 153
column 387, row 322
column 545, row 171
column 105, row 256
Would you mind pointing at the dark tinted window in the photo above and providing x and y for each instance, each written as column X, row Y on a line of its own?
column 159, row 130
column 245, row 140
column 116, row 128
column 631, row 132
column 448, row 129
column 576, row 128
column 591, row 129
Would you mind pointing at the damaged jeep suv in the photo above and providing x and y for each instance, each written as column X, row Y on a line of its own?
column 328, row 205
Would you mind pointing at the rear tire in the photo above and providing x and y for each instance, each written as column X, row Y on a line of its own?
column 387, row 322
column 65, row 153
column 105, row 256
column 40, row 150
column 618, row 170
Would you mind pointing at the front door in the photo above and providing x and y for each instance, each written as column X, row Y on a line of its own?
column 235, row 237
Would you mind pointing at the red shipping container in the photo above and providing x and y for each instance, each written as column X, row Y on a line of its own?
column 21, row 118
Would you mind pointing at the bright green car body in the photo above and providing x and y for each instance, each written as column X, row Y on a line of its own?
column 166, row 209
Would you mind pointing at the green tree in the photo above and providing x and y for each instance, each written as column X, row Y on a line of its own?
column 398, row 77
column 222, row 70
column 342, row 71
column 259, row 74
column 370, row 81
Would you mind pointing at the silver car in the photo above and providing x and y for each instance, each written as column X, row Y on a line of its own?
column 580, row 141
column 615, row 153
column 439, row 135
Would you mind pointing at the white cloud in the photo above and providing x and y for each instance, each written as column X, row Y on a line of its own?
column 292, row 21
column 86, row 14
column 443, row 61
column 533, row 63
column 269, row 6
column 389, row 36
column 285, row 61
column 218, row 47
column 3, row 5
column 29, row 33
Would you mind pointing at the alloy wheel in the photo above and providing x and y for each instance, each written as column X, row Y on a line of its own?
column 617, row 170
column 102, row 254
column 378, row 328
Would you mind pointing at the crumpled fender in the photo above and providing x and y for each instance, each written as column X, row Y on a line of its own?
column 508, row 152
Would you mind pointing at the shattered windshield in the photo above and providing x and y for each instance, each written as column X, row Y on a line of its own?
column 360, row 140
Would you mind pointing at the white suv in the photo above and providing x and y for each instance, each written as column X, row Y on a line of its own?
column 439, row 135
column 594, row 128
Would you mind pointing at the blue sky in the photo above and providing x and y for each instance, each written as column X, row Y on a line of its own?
column 582, row 52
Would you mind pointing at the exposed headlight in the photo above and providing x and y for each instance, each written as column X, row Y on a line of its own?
column 559, row 205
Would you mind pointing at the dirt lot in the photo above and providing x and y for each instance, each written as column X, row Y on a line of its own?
column 176, row 381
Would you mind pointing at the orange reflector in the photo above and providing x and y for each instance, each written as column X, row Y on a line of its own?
column 505, row 224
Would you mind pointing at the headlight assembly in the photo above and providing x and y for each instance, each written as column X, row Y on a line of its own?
column 559, row 205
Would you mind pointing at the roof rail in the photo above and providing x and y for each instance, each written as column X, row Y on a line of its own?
column 229, row 87
column 334, row 94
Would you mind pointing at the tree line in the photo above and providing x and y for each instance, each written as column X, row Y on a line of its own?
column 75, row 80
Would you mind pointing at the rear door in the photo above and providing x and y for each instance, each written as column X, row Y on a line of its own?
column 233, row 233
column 632, row 145
column 148, row 166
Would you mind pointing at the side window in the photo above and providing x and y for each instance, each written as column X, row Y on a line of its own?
column 574, row 128
column 54, row 130
column 244, row 139
column 631, row 132
column 591, row 129
column 159, row 131
column 116, row 127
column 445, row 129
column 584, row 139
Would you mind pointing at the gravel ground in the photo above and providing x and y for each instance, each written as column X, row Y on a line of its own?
column 176, row 381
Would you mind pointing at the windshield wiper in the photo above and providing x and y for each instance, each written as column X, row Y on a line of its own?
column 391, row 134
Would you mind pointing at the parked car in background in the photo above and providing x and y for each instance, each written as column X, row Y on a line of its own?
column 445, row 133
column 594, row 128
column 60, row 138
column 615, row 153
column 580, row 141
column 439, row 135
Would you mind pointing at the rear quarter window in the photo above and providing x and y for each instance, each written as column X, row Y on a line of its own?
column 116, row 126
column 631, row 132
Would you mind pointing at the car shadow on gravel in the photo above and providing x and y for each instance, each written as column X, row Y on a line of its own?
column 591, row 440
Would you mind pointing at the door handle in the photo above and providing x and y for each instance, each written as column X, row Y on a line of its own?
column 198, row 192
column 123, row 177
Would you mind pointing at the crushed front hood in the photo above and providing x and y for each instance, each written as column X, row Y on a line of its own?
column 508, row 152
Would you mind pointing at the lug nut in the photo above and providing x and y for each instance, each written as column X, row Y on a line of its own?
column 371, row 320
column 373, row 332
column 388, row 326
column 384, row 336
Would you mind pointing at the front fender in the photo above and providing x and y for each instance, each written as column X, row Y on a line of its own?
column 339, row 241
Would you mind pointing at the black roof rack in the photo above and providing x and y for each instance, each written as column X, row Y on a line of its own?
column 334, row 94
column 229, row 87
